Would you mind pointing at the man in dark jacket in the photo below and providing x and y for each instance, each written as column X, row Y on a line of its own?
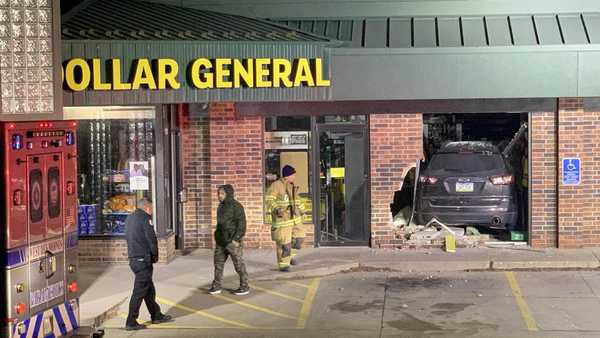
column 231, row 228
column 142, row 249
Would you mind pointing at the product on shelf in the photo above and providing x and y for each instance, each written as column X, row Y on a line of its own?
column 120, row 203
column 87, row 219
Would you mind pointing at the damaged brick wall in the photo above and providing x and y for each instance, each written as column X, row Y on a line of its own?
column 579, row 206
column 396, row 143
column 236, row 158
column 543, row 144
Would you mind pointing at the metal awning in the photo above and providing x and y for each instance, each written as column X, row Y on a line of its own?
column 140, row 20
column 461, row 57
column 450, row 56
column 457, row 31
column 130, row 30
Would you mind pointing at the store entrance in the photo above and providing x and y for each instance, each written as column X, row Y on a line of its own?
column 342, row 191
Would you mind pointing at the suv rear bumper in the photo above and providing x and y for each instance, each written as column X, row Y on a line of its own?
column 490, row 218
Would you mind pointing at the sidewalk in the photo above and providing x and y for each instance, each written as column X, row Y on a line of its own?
column 104, row 288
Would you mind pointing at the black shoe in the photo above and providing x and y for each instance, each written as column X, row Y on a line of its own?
column 162, row 319
column 214, row 290
column 134, row 327
column 286, row 269
column 294, row 261
column 241, row 291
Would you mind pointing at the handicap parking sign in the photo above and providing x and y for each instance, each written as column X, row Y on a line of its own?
column 571, row 171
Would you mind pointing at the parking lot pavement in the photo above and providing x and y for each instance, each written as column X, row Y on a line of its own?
column 375, row 304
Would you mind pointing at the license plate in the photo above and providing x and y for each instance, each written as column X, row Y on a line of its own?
column 464, row 187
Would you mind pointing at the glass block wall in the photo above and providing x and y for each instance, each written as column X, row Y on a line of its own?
column 26, row 54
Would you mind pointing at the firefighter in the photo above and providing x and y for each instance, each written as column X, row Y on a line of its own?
column 285, row 208
column 142, row 249
column 230, row 231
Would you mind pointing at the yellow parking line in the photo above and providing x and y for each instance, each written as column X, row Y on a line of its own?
column 254, row 307
column 298, row 284
column 525, row 312
column 203, row 313
column 308, row 301
column 278, row 294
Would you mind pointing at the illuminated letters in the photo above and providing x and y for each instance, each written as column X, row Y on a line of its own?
column 77, row 67
column 167, row 73
column 198, row 81
column 202, row 73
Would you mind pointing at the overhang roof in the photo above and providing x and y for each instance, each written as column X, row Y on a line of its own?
column 457, row 31
column 140, row 20
column 356, row 9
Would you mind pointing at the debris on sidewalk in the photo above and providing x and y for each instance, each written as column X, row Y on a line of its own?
column 434, row 233
column 472, row 231
column 450, row 243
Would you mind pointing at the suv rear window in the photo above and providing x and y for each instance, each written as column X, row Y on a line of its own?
column 468, row 162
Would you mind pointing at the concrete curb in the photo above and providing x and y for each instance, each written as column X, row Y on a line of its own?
column 310, row 273
column 110, row 313
column 430, row 266
column 512, row 265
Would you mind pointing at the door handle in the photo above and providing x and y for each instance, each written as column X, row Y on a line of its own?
column 50, row 264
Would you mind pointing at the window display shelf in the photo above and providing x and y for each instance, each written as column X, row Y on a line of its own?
column 118, row 213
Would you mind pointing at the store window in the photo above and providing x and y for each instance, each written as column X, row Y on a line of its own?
column 115, row 166
column 287, row 142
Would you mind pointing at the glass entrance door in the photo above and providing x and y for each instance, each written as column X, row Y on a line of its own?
column 342, row 189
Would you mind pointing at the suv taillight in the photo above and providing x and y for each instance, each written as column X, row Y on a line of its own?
column 428, row 179
column 501, row 180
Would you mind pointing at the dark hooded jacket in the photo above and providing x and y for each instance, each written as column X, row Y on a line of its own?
column 231, row 219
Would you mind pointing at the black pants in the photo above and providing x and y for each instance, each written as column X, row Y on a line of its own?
column 143, row 290
column 221, row 255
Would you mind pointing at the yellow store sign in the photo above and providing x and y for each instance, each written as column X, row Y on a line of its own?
column 80, row 74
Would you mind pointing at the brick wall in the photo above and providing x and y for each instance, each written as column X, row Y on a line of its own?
column 114, row 250
column 236, row 158
column 579, row 206
column 106, row 250
column 196, row 181
column 166, row 249
column 543, row 176
column 396, row 143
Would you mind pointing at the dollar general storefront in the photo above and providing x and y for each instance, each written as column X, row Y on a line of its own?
column 186, row 99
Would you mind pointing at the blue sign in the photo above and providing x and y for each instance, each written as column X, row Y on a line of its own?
column 571, row 171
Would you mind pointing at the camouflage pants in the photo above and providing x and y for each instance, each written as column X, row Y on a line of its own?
column 221, row 255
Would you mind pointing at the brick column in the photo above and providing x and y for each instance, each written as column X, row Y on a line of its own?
column 579, row 136
column 396, row 143
column 196, row 181
column 236, row 158
column 544, row 153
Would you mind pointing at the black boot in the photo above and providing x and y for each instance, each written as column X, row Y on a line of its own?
column 134, row 326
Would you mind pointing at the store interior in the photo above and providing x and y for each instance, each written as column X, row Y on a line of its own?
column 115, row 172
